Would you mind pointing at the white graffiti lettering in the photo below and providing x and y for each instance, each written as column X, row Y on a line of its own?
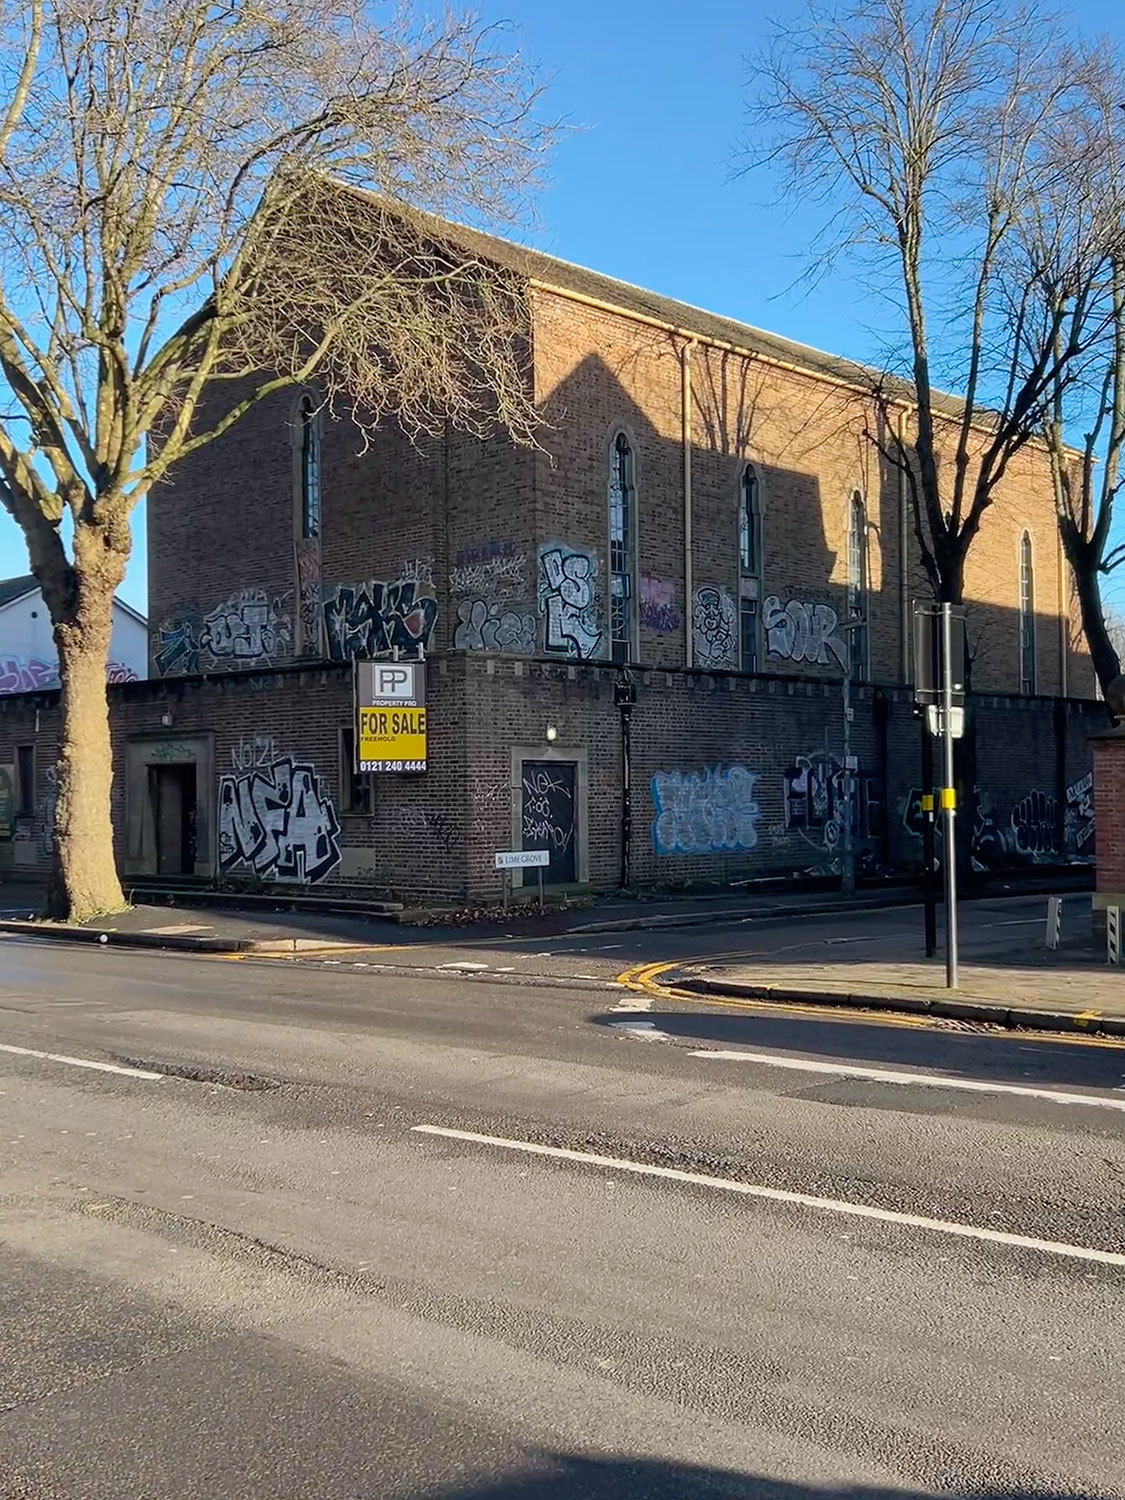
column 255, row 753
column 566, row 599
column 281, row 823
column 247, row 628
column 482, row 626
column 1080, row 810
column 488, row 576
column 705, row 812
column 798, row 632
column 546, row 795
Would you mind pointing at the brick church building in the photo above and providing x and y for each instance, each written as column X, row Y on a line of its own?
column 633, row 635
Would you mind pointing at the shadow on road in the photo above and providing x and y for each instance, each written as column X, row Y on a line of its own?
column 569, row 1477
column 1001, row 1057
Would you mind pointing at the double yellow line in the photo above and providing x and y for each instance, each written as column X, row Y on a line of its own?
column 647, row 979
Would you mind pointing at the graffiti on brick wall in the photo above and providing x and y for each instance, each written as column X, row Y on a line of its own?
column 280, row 822
column 566, row 598
column 798, row 631
column 45, row 811
column 816, row 801
column 714, row 627
column 1029, row 835
column 659, row 609
column 308, row 594
column 118, row 671
column 418, row 570
column 490, row 570
column 485, row 626
column 254, row 752
column 705, row 812
column 175, row 647
column 435, row 826
column 1080, row 811
column 371, row 619
column 248, row 629
column 1035, row 825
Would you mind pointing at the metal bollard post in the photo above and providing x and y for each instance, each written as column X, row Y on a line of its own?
column 1113, row 934
column 1054, row 921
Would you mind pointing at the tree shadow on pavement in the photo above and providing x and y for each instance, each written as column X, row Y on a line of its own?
column 573, row 1477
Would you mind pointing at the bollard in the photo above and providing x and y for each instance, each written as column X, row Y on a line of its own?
column 1113, row 934
column 1054, row 921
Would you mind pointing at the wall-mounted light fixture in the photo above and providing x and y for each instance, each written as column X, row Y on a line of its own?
column 552, row 734
column 166, row 718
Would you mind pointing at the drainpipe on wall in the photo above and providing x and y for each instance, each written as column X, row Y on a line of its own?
column 903, row 562
column 1064, row 663
column 685, row 438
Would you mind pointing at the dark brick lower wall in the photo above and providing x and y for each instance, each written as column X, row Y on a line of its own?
column 730, row 777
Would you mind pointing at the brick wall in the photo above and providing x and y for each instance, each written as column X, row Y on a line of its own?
column 732, row 776
column 1109, row 813
column 457, row 528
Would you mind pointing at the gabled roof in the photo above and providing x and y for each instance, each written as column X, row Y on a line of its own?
column 12, row 589
column 564, row 276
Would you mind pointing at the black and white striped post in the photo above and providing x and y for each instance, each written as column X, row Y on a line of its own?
column 1113, row 934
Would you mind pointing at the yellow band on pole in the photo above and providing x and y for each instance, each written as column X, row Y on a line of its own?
column 927, row 802
column 948, row 798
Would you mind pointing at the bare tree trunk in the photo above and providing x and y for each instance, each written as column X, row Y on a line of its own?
column 1103, row 654
column 84, row 880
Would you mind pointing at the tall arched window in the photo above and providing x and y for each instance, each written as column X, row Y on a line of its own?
column 749, row 566
column 857, row 584
column 622, row 548
column 310, row 468
column 1027, row 615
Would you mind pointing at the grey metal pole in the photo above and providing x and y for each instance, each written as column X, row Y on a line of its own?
column 847, row 859
column 948, row 799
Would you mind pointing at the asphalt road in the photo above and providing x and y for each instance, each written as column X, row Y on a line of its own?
column 606, row 1266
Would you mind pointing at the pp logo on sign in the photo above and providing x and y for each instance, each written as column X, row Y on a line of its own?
column 394, row 682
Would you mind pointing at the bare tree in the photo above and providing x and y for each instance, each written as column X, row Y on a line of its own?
column 179, row 206
column 928, row 128
column 1088, row 396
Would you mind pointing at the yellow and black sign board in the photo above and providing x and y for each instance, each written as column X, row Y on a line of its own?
column 390, row 716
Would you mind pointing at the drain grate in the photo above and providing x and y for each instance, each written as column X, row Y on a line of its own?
column 230, row 1078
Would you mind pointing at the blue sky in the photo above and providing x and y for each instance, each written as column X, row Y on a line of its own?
column 643, row 186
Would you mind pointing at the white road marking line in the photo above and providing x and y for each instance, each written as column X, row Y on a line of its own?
column 888, row 1075
column 463, row 965
column 638, row 1000
column 78, row 1062
column 782, row 1195
column 645, row 1030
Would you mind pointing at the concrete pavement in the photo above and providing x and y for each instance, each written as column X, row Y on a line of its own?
column 291, row 1291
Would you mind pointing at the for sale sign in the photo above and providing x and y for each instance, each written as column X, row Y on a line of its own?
column 390, row 716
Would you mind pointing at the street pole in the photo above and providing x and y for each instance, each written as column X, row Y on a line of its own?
column 847, row 854
column 948, row 797
column 929, row 893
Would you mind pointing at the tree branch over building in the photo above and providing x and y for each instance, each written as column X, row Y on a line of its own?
column 930, row 130
column 201, row 193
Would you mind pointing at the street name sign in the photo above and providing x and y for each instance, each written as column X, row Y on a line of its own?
column 521, row 859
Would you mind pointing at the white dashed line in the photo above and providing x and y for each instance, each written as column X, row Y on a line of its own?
column 782, row 1195
column 78, row 1062
column 889, row 1075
